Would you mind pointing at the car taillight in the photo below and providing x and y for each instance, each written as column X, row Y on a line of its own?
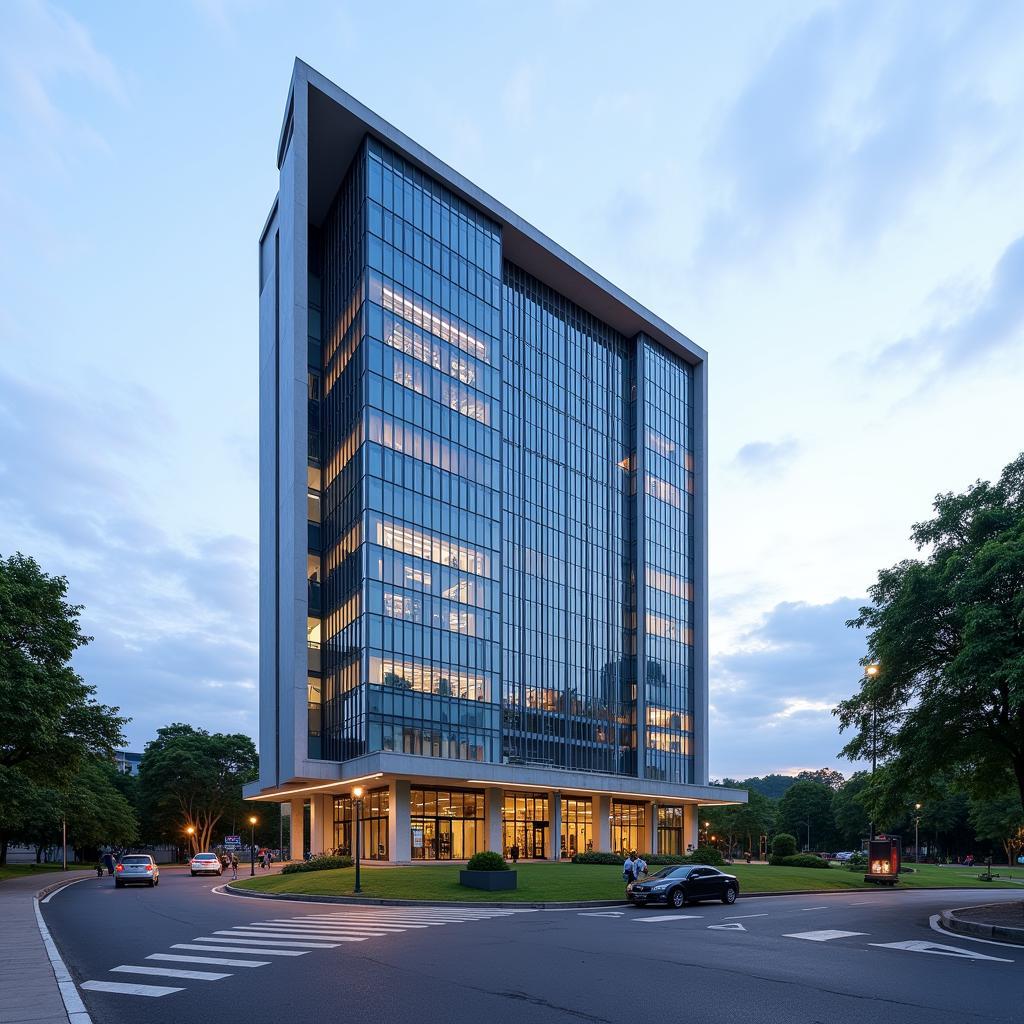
column 120, row 867
column 149, row 867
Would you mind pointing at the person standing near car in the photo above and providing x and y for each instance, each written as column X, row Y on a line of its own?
column 629, row 870
column 108, row 862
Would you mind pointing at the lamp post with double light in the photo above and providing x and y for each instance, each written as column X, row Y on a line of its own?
column 357, row 805
column 252, row 845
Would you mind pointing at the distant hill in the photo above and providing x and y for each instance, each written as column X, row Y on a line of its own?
column 772, row 786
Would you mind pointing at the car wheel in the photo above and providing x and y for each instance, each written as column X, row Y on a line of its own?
column 118, row 885
column 730, row 895
column 193, row 874
column 677, row 898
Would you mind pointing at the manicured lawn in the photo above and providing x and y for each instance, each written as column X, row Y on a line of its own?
column 558, row 882
column 20, row 870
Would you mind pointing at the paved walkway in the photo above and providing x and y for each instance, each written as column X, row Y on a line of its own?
column 28, row 985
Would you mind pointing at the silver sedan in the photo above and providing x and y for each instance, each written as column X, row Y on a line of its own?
column 136, row 868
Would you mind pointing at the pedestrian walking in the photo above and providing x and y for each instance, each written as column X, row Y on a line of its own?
column 629, row 870
column 515, row 853
column 234, row 868
column 639, row 866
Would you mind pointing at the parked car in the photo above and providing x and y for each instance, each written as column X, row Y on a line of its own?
column 844, row 856
column 206, row 864
column 136, row 867
column 680, row 884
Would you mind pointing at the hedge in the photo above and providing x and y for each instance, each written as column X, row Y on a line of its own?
column 317, row 864
column 799, row 860
column 487, row 860
column 703, row 855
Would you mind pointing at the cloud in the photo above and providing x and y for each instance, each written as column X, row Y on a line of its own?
column 174, row 619
column 43, row 48
column 773, row 693
column 852, row 113
column 767, row 456
column 994, row 320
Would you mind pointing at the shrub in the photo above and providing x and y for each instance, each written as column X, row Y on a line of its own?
column 783, row 845
column 598, row 857
column 487, row 860
column 706, row 855
column 324, row 863
column 666, row 858
column 858, row 862
column 798, row 860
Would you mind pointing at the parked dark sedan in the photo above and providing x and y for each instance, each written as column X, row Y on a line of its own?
column 680, row 884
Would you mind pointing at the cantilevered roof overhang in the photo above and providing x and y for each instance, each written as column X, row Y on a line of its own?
column 337, row 124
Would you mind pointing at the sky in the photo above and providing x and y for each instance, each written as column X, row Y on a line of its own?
column 827, row 197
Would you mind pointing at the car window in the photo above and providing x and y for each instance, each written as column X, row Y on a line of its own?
column 698, row 872
column 206, row 856
column 135, row 860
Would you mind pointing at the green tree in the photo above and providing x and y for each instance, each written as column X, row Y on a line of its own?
column 741, row 824
column 808, row 804
column 1000, row 820
column 97, row 812
column 849, row 812
column 50, row 723
column 946, row 633
column 826, row 776
column 191, row 777
column 771, row 786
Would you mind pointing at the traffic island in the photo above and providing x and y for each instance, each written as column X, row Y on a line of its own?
column 1003, row 922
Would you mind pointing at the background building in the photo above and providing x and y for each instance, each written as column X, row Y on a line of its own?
column 483, row 508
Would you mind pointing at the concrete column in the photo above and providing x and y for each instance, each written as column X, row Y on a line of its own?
column 691, row 825
column 555, row 825
column 492, row 812
column 298, row 843
column 652, row 810
column 399, row 836
column 321, row 822
column 602, row 825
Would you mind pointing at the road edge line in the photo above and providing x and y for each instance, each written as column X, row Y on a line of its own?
column 73, row 1005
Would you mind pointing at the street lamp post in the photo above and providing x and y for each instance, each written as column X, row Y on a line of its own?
column 357, row 803
column 252, row 845
column 917, row 826
column 871, row 671
column 190, row 831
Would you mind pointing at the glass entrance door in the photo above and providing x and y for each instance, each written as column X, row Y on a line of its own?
column 444, row 839
column 539, row 836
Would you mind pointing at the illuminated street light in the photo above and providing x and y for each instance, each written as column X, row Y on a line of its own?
column 357, row 803
column 252, row 844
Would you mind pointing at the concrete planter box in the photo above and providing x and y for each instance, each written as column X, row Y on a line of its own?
column 492, row 881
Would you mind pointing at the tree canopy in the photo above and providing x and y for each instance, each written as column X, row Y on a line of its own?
column 947, row 633
column 808, row 804
column 192, row 777
column 51, row 726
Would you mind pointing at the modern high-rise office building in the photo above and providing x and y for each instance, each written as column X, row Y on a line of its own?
column 483, row 519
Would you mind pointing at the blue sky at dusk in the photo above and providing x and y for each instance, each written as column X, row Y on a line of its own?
column 827, row 197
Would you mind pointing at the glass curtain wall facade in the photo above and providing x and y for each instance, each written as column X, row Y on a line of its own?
column 496, row 481
column 667, row 509
column 446, row 824
column 568, row 693
column 373, row 825
column 524, row 822
column 577, row 826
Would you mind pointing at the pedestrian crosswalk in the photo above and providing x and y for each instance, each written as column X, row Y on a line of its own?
column 246, row 946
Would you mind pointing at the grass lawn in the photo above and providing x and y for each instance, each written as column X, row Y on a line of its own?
column 20, row 870
column 557, row 882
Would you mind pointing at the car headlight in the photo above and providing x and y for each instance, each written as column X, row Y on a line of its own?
column 660, row 888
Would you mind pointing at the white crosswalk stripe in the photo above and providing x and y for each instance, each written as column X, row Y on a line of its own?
column 170, row 972
column 274, row 936
column 263, row 951
column 121, row 988
column 268, row 941
column 219, row 961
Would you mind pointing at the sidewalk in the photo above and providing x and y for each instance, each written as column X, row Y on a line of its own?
column 28, row 985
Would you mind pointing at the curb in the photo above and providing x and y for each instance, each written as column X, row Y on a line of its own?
column 980, row 930
column 369, row 901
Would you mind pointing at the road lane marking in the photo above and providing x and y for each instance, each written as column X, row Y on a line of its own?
column 268, row 941
column 733, row 926
column 120, row 988
column 170, row 972
column 73, row 1004
column 668, row 917
column 308, row 933
column 825, row 935
column 737, row 917
column 804, row 909
column 219, row 961
column 57, row 892
column 863, row 903
column 600, row 913
column 237, row 949
column 937, row 949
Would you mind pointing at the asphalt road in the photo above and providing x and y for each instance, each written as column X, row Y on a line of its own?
column 857, row 957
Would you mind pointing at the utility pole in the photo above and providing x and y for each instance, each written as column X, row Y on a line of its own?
column 871, row 671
